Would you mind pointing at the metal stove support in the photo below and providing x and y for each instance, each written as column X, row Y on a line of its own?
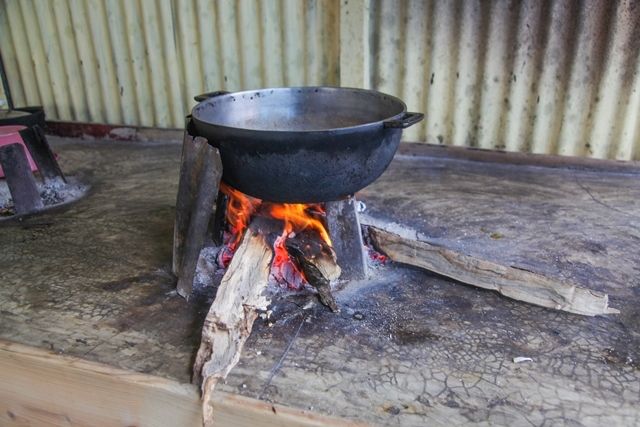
column 20, row 179
column 344, row 229
column 42, row 155
column 200, row 175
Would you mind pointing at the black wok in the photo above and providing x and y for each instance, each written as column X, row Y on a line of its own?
column 302, row 145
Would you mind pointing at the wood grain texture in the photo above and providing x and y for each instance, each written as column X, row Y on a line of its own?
column 42, row 388
column 240, row 296
column 512, row 282
column 236, row 410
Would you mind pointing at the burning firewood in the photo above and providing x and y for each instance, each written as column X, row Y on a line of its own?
column 318, row 263
column 240, row 296
column 301, row 245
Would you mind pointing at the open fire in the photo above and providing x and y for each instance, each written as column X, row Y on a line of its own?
column 295, row 219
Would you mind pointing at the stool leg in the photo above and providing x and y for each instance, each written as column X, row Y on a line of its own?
column 22, row 184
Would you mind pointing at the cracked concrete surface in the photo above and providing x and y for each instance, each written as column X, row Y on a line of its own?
column 431, row 351
column 91, row 279
column 414, row 349
column 408, row 347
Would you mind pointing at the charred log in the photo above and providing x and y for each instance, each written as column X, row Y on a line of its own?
column 317, row 260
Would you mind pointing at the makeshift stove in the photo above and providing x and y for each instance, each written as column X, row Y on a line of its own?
column 311, row 244
column 276, row 200
column 31, row 180
column 305, row 152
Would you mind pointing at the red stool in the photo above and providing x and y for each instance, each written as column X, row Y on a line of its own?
column 11, row 135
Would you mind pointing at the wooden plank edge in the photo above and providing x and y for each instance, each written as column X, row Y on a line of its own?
column 237, row 410
column 512, row 282
column 38, row 387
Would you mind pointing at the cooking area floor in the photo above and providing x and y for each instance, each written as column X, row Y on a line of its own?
column 92, row 280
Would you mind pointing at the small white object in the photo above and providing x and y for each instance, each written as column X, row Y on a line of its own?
column 258, row 352
column 361, row 207
column 244, row 386
column 522, row 359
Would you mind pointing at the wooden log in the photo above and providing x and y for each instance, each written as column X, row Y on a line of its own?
column 240, row 296
column 318, row 263
column 513, row 282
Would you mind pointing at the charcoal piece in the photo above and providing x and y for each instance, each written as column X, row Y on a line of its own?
column 318, row 262
column 20, row 180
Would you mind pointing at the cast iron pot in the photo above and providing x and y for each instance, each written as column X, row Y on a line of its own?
column 304, row 144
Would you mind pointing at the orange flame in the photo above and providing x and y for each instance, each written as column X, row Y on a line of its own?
column 296, row 217
column 240, row 209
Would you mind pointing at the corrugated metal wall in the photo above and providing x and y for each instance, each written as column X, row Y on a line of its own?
column 140, row 62
column 544, row 76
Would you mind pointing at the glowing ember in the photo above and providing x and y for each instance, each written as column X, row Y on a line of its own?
column 283, row 269
column 377, row 256
column 295, row 218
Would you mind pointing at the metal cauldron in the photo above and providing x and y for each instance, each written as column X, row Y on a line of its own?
column 302, row 144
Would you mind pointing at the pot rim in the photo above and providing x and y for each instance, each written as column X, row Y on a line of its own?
column 346, row 129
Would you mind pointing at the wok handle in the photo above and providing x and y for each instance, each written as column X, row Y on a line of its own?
column 405, row 121
column 205, row 96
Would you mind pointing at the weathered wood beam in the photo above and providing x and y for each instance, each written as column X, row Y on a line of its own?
column 509, row 281
column 38, row 387
column 42, row 388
